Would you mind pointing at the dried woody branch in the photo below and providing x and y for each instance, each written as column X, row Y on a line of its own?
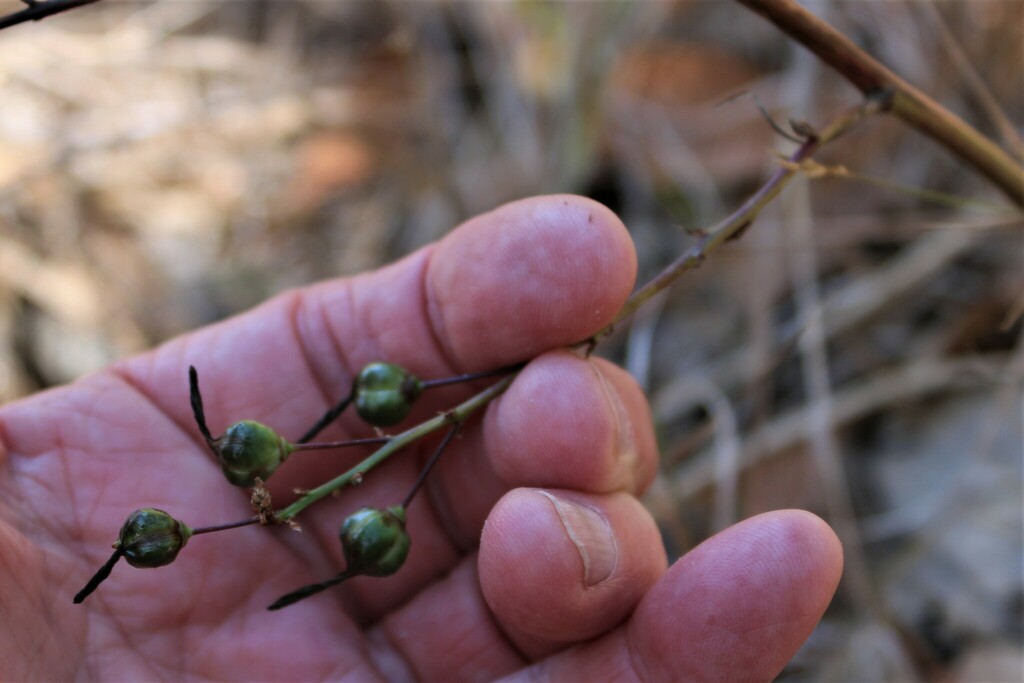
column 908, row 103
column 40, row 9
column 733, row 226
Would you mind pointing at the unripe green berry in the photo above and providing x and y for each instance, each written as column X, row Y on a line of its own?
column 385, row 393
column 248, row 450
column 152, row 538
column 374, row 541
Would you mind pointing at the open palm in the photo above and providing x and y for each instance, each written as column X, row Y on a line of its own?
column 567, row 579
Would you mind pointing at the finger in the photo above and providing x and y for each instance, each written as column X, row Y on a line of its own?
column 538, row 274
column 559, row 567
column 736, row 608
column 573, row 423
column 449, row 617
column 566, row 422
column 549, row 581
column 528, row 277
column 577, row 424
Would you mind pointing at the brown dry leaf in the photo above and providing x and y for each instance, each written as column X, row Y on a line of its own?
column 674, row 74
column 327, row 163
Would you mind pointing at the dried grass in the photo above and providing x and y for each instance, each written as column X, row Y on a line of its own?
column 163, row 165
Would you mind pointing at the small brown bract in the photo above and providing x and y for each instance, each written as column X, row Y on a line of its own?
column 261, row 503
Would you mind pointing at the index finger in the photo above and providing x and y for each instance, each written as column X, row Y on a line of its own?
column 503, row 287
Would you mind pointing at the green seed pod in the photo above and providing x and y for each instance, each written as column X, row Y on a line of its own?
column 152, row 538
column 248, row 450
column 385, row 393
column 374, row 541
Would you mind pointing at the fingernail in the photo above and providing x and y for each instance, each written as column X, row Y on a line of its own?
column 590, row 532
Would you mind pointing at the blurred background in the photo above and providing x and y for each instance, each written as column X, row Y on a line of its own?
column 858, row 353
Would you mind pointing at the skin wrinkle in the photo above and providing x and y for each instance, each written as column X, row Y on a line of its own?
column 127, row 638
column 442, row 510
column 369, row 337
column 492, row 618
column 384, row 628
column 298, row 310
column 637, row 665
column 376, row 335
column 432, row 311
column 77, row 536
column 342, row 670
column 380, row 645
column 472, row 444
column 123, row 374
column 469, row 564
column 485, row 609
column 340, row 350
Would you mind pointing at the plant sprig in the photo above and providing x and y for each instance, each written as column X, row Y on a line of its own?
column 404, row 388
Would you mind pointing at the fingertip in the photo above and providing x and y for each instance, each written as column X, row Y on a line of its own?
column 559, row 566
column 743, row 601
column 552, row 270
column 813, row 541
column 574, row 423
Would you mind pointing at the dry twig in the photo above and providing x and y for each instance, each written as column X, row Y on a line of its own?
column 40, row 9
column 908, row 103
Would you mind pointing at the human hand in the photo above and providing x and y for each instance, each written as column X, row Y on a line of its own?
column 531, row 556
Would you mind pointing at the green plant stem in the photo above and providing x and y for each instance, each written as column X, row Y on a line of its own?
column 910, row 104
column 733, row 225
column 457, row 414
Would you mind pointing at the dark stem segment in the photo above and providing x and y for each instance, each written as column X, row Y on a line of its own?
column 197, row 405
column 430, row 463
column 306, row 591
column 99, row 577
column 225, row 527
column 341, row 444
column 40, row 9
column 329, row 417
column 471, row 377
column 911, row 105
column 734, row 225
